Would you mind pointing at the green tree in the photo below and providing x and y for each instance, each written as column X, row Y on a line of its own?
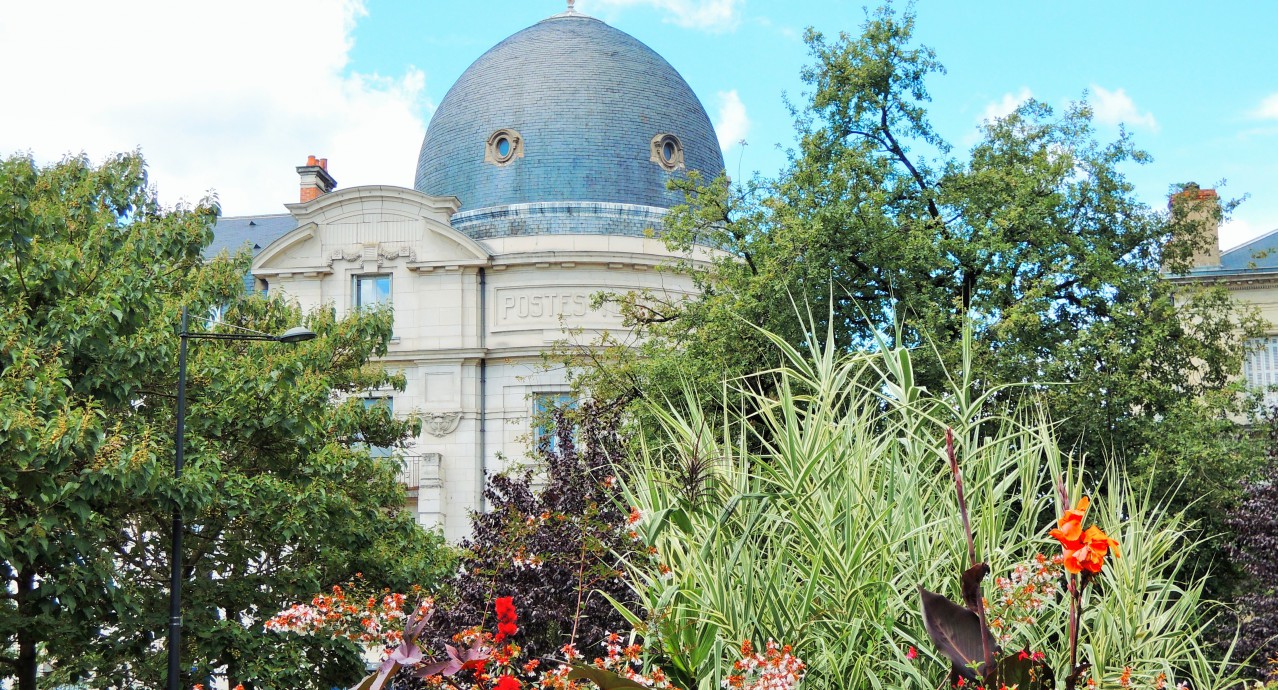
column 1034, row 234
column 280, row 495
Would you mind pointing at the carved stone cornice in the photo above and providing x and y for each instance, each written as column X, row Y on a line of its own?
column 381, row 253
column 1250, row 280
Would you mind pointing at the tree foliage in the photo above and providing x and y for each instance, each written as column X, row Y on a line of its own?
column 877, row 226
column 279, row 496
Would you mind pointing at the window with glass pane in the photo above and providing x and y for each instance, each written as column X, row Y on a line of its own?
column 372, row 290
column 389, row 404
column 1260, row 369
column 544, row 405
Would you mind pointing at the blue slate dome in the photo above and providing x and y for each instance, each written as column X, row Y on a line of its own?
column 586, row 107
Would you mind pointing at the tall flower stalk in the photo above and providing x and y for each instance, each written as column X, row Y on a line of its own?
column 1084, row 555
column 977, row 602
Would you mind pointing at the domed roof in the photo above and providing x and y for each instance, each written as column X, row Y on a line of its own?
column 586, row 106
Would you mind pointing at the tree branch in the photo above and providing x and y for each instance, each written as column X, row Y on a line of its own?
column 896, row 150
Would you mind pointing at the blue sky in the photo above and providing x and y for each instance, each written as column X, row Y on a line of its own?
column 230, row 96
column 1189, row 82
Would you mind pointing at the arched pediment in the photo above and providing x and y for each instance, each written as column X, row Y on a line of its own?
column 372, row 223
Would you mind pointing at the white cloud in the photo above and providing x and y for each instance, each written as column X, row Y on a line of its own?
column 1116, row 107
column 230, row 96
column 732, row 123
column 1006, row 105
column 708, row 15
column 1268, row 108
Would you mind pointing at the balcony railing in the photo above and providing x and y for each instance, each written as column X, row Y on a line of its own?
column 421, row 471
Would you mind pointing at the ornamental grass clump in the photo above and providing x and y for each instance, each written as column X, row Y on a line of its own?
column 809, row 503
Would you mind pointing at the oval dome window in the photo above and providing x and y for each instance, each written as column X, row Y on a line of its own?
column 667, row 151
column 504, row 145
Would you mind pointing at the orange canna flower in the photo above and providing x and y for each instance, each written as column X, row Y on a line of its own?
column 1093, row 546
column 1070, row 525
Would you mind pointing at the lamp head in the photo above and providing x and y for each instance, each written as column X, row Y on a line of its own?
column 296, row 334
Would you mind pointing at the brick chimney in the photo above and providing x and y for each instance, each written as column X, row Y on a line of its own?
column 1196, row 212
column 315, row 178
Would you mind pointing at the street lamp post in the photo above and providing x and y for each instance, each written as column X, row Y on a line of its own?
column 296, row 334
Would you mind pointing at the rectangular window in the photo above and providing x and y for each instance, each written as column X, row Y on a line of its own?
column 544, row 405
column 1260, row 369
column 389, row 404
column 372, row 290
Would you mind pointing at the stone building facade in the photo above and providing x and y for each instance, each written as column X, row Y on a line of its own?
column 542, row 181
column 1250, row 273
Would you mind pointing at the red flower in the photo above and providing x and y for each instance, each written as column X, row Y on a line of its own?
column 506, row 618
column 505, row 606
column 508, row 683
column 912, row 654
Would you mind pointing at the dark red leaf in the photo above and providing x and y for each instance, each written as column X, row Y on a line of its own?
column 971, row 582
column 1073, row 679
column 955, row 631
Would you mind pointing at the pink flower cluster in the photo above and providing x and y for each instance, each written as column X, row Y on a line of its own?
column 368, row 620
column 775, row 669
column 622, row 660
column 479, row 660
column 1020, row 597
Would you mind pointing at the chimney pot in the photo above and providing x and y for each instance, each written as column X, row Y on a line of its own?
column 315, row 178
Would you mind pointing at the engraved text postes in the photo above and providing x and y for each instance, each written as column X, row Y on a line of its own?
column 544, row 307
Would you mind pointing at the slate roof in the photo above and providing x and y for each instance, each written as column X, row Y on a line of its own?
column 587, row 101
column 1260, row 254
column 257, row 232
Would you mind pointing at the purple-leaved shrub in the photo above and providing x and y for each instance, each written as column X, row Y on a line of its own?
column 551, row 539
column 1254, row 524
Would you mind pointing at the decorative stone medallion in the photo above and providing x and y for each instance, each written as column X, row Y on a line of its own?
column 441, row 424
